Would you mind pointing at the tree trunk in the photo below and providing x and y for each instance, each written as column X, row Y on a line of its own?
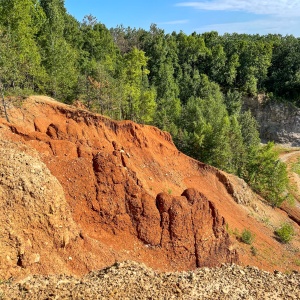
column 4, row 106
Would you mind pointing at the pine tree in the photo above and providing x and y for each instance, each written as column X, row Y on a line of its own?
column 59, row 58
column 139, row 99
column 19, row 54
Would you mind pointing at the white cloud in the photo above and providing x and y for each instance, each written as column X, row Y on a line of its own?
column 176, row 22
column 284, row 8
column 265, row 26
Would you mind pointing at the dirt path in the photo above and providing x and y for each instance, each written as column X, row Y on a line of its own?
column 293, row 210
column 291, row 158
column 286, row 157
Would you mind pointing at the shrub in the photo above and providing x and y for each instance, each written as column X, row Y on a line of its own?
column 247, row 237
column 253, row 251
column 268, row 176
column 285, row 232
column 296, row 167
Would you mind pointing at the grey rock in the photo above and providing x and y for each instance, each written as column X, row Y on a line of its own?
column 278, row 122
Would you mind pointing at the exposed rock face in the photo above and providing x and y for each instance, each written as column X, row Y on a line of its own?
column 202, row 241
column 188, row 228
column 279, row 122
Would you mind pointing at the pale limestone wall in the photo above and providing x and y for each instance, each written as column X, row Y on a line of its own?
column 279, row 122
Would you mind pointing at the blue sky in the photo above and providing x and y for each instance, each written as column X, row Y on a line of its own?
column 241, row 16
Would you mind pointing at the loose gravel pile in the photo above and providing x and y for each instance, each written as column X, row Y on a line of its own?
column 130, row 280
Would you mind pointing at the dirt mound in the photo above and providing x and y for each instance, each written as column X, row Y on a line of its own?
column 129, row 280
column 35, row 217
column 120, row 181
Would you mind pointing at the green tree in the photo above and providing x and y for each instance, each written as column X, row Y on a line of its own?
column 59, row 58
column 98, row 60
column 163, row 66
column 233, row 102
column 217, row 64
column 20, row 58
column 221, row 155
column 139, row 99
column 268, row 175
column 248, row 60
column 249, row 129
column 238, row 163
column 284, row 73
column 72, row 32
column 206, row 126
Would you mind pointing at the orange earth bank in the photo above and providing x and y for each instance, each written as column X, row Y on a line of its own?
column 118, row 191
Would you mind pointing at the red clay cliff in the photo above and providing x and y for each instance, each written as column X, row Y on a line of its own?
column 115, row 191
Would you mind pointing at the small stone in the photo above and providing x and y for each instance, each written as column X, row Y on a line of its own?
column 37, row 258
column 242, row 272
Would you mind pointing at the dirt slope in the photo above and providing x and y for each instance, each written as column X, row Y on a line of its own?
column 130, row 194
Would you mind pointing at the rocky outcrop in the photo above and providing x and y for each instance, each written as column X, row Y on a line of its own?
column 188, row 228
column 192, row 230
column 278, row 122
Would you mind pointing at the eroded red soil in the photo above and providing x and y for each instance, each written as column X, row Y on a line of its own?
column 133, row 195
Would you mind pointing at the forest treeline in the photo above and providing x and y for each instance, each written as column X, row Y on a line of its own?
column 190, row 85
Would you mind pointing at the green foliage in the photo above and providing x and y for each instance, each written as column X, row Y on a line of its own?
column 20, row 60
column 139, row 99
column 233, row 102
column 297, row 262
column 296, row 167
column 285, row 232
column 212, row 134
column 59, row 58
column 252, row 63
column 50, row 50
column 247, row 237
column 284, row 73
column 206, row 125
column 249, row 129
column 164, row 70
column 268, row 175
column 253, row 250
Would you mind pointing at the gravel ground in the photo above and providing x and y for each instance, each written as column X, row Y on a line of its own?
column 130, row 280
